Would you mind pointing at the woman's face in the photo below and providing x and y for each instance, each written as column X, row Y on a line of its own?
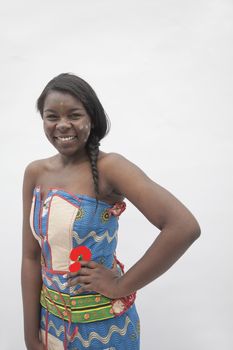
column 66, row 122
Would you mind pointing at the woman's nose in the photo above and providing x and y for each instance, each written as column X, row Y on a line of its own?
column 63, row 124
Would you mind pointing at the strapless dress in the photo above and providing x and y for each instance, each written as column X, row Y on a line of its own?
column 62, row 222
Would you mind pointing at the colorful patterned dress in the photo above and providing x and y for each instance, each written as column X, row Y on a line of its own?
column 88, row 320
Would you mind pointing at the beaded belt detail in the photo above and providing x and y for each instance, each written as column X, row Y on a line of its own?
column 83, row 308
column 79, row 309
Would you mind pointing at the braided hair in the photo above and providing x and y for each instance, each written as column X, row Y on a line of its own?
column 93, row 151
column 80, row 89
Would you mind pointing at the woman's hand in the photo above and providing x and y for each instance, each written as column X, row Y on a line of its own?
column 96, row 277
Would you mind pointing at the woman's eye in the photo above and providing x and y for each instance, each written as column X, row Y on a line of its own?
column 51, row 117
column 75, row 116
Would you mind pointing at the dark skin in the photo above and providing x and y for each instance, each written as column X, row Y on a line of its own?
column 118, row 179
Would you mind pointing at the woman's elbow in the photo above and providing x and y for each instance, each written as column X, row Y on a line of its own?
column 188, row 227
column 194, row 230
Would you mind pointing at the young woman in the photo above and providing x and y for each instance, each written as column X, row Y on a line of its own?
column 75, row 292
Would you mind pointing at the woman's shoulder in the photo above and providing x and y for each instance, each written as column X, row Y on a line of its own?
column 124, row 177
column 119, row 173
column 112, row 163
column 35, row 167
column 107, row 159
column 106, row 162
column 109, row 163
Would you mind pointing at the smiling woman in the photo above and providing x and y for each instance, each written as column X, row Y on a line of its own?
column 66, row 122
column 75, row 292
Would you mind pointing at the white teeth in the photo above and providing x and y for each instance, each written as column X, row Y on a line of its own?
column 66, row 138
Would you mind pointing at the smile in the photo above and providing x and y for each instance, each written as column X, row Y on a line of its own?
column 67, row 138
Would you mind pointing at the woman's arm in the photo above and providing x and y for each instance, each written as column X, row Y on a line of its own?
column 179, row 228
column 31, row 271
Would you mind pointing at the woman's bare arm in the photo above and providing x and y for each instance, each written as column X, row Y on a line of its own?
column 179, row 228
column 31, row 270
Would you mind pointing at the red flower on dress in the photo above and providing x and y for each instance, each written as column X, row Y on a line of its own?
column 77, row 254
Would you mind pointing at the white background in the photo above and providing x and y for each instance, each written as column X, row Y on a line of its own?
column 163, row 71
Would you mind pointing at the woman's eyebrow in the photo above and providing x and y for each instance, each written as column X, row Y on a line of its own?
column 70, row 110
column 49, row 110
column 76, row 109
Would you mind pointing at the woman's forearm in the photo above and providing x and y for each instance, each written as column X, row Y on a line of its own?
column 31, row 286
column 167, row 248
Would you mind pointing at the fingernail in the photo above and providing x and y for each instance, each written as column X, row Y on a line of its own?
column 65, row 275
column 65, row 284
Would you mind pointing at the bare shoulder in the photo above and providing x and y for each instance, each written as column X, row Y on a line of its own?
column 110, row 156
column 116, row 164
column 107, row 160
column 36, row 167
column 119, row 172
column 31, row 174
column 158, row 205
column 33, row 167
column 31, row 171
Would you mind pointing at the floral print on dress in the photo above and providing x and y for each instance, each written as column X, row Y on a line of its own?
column 118, row 307
column 105, row 216
column 80, row 214
column 115, row 210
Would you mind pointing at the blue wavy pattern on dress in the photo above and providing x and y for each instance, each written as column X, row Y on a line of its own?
column 98, row 231
column 120, row 332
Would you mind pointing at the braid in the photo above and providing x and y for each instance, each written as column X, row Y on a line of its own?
column 93, row 151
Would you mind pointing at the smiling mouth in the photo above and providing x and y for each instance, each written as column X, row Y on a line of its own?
column 66, row 138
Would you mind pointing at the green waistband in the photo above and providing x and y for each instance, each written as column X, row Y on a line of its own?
column 79, row 308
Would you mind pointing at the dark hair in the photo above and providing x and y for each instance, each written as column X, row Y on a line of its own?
column 80, row 89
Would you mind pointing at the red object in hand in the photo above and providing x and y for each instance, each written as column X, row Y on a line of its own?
column 77, row 254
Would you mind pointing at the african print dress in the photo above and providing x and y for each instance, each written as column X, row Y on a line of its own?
column 89, row 320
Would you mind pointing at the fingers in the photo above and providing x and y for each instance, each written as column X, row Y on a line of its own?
column 84, row 271
column 85, row 265
column 79, row 280
column 90, row 264
column 84, row 277
column 84, row 288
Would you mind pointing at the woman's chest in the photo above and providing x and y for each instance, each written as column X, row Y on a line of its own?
column 63, row 221
column 74, row 212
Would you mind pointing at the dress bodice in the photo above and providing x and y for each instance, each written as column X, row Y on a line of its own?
column 64, row 221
